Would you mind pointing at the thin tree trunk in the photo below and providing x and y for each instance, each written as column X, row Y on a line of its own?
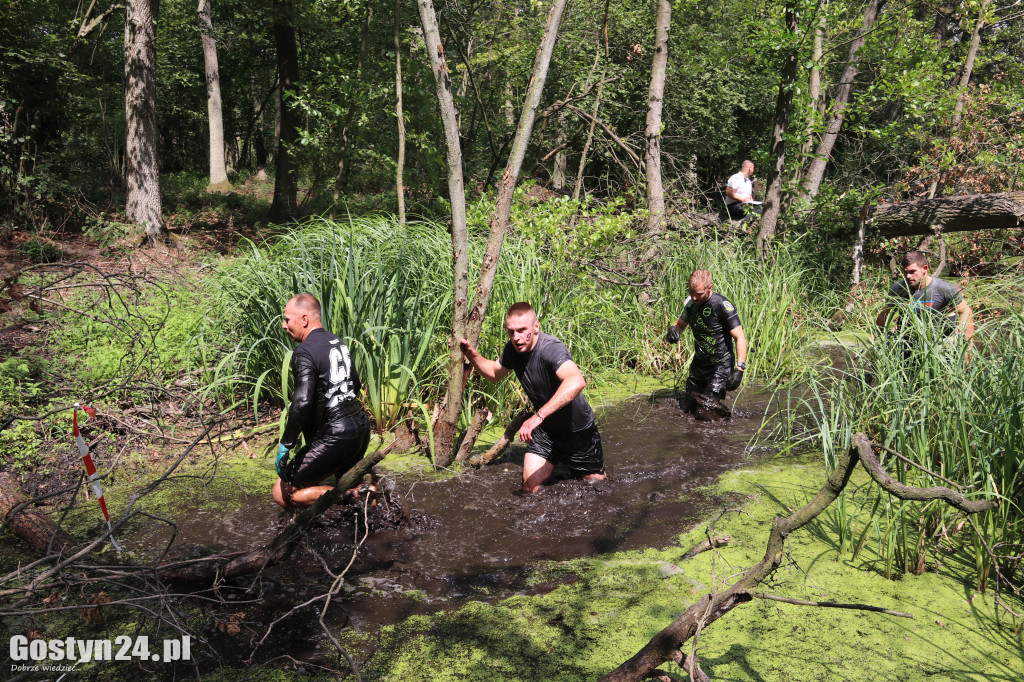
column 578, row 186
column 285, row 204
column 218, row 167
column 652, row 133
column 816, row 171
column 816, row 101
column 783, row 111
column 561, row 159
column 400, row 117
column 343, row 169
column 503, row 205
column 965, row 79
column 142, row 174
column 444, row 426
column 499, row 221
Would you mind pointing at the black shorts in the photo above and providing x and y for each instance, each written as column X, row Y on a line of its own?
column 709, row 379
column 333, row 452
column 580, row 451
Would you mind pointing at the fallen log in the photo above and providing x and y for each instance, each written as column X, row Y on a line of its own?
column 226, row 566
column 667, row 645
column 38, row 530
column 949, row 214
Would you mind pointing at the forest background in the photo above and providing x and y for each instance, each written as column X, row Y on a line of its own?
column 298, row 145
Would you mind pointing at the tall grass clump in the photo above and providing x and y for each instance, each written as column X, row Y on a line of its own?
column 375, row 292
column 954, row 412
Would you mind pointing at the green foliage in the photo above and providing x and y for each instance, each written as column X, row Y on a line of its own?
column 139, row 333
column 386, row 290
column 38, row 251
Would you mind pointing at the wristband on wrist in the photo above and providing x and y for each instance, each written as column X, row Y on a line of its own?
column 742, row 365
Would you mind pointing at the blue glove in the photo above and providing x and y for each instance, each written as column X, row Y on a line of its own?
column 282, row 459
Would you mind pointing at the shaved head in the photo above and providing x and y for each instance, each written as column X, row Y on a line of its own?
column 307, row 303
column 301, row 316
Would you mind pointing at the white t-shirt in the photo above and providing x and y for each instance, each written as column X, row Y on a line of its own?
column 741, row 184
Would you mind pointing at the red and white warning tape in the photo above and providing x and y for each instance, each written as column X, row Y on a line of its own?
column 90, row 468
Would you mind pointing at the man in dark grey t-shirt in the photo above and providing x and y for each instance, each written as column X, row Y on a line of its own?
column 562, row 429
column 920, row 291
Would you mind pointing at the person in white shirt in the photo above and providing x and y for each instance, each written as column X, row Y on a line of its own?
column 739, row 193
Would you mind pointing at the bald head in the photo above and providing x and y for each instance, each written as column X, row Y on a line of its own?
column 301, row 316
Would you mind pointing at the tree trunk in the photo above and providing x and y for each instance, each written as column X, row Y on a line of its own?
column 470, row 328
column 578, row 185
column 965, row 79
column 400, row 117
column 142, row 176
column 343, row 169
column 816, row 171
column 218, row 167
column 503, row 205
column 561, row 165
column 783, row 110
column 652, row 132
column 285, row 204
column 816, row 108
column 951, row 214
column 444, row 426
column 36, row 529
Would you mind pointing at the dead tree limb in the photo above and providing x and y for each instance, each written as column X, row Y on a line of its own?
column 476, row 426
column 704, row 545
column 954, row 214
column 833, row 605
column 36, row 529
column 667, row 644
column 499, row 446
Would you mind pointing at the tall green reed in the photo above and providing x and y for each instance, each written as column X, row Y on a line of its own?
column 952, row 410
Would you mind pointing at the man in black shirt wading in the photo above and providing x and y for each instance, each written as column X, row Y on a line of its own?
column 325, row 409
column 920, row 291
column 715, row 325
column 562, row 429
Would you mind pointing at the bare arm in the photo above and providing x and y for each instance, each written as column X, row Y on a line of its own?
column 883, row 317
column 737, row 195
column 681, row 325
column 490, row 369
column 741, row 344
column 966, row 318
column 572, row 383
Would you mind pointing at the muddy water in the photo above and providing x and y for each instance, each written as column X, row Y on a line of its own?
column 476, row 537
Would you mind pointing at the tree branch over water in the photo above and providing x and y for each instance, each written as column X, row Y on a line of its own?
column 667, row 644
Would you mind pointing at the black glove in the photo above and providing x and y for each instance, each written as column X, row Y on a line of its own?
column 672, row 335
column 734, row 380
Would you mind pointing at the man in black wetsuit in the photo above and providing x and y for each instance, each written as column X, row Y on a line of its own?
column 715, row 325
column 325, row 409
column 562, row 429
